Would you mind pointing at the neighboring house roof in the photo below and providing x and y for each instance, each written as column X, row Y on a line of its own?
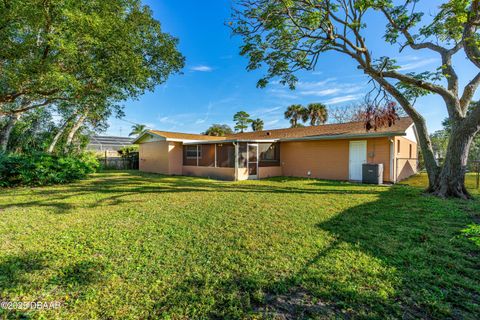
column 326, row 131
column 108, row 142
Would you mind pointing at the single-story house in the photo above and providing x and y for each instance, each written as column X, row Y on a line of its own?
column 331, row 151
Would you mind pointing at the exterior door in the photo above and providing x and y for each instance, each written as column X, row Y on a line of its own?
column 357, row 157
column 252, row 163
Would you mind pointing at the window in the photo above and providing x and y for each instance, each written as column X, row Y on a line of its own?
column 410, row 151
column 191, row 152
column 398, row 146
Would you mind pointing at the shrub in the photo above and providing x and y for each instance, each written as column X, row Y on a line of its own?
column 40, row 169
column 128, row 151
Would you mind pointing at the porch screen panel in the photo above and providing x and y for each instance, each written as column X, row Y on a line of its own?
column 207, row 158
column 226, row 155
column 242, row 155
column 269, row 154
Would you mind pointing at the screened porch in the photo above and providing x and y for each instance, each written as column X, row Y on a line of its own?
column 235, row 160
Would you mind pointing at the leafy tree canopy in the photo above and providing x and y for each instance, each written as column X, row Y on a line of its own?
column 218, row 130
column 61, row 50
column 242, row 119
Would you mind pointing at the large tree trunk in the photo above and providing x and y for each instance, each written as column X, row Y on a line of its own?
column 5, row 134
column 57, row 136
column 60, row 133
column 78, row 124
column 451, row 181
column 433, row 170
column 431, row 165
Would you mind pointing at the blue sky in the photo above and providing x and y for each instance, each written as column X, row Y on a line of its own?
column 215, row 84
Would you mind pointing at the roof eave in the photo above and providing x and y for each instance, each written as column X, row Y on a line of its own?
column 150, row 133
column 230, row 140
column 346, row 136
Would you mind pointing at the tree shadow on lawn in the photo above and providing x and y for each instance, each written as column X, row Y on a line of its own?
column 16, row 280
column 401, row 256
column 15, row 269
column 113, row 189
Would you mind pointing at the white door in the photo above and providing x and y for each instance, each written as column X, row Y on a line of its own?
column 357, row 157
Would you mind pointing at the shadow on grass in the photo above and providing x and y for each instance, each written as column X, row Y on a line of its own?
column 14, row 269
column 16, row 276
column 401, row 256
column 112, row 189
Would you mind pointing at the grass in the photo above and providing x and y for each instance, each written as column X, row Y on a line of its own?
column 132, row 245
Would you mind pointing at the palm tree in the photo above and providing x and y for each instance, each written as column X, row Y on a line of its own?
column 317, row 113
column 294, row 113
column 137, row 129
column 257, row 125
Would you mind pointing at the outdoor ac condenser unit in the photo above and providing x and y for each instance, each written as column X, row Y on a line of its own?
column 372, row 173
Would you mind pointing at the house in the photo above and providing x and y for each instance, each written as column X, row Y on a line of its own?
column 331, row 151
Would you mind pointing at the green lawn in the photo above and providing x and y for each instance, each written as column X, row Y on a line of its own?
column 131, row 245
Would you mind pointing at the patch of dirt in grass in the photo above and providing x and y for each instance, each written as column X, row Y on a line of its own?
column 298, row 304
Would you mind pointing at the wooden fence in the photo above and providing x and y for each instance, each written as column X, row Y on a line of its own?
column 129, row 162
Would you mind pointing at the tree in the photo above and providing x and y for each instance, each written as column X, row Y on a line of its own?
column 350, row 113
column 257, row 124
column 317, row 113
column 242, row 119
column 292, row 35
column 294, row 113
column 440, row 139
column 32, row 132
column 218, row 130
column 137, row 129
column 57, row 51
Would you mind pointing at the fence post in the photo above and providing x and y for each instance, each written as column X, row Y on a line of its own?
column 105, row 159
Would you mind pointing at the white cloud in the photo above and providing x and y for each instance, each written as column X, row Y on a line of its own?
column 304, row 85
column 342, row 99
column 264, row 111
column 201, row 68
column 271, row 123
column 417, row 63
column 320, row 93
column 411, row 62
column 282, row 93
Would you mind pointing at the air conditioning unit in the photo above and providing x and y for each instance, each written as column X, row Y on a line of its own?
column 372, row 173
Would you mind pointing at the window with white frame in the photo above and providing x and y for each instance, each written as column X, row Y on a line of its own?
column 191, row 151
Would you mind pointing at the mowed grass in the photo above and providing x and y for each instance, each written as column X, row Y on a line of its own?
column 133, row 245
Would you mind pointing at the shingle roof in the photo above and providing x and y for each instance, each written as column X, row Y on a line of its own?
column 350, row 128
column 327, row 130
column 184, row 136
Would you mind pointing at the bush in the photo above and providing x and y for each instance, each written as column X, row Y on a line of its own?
column 40, row 169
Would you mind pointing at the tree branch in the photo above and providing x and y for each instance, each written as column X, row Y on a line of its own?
column 446, row 94
column 471, row 47
column 26, row 108
column 468, row 92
